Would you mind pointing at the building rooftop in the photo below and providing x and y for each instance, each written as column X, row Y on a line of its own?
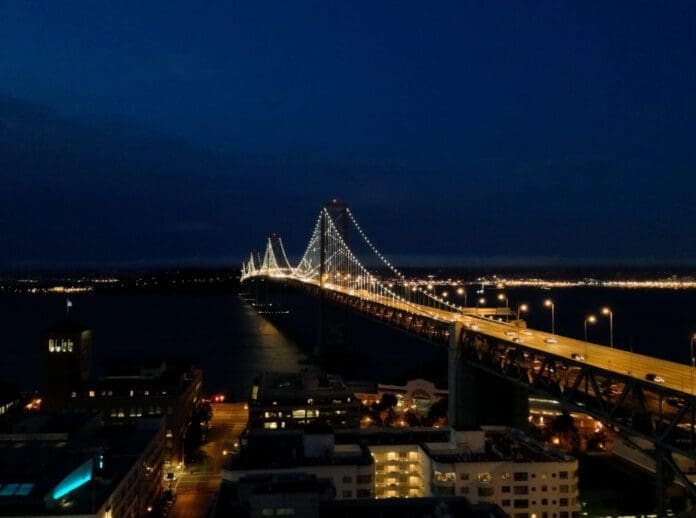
column 39, row 476
column 308, row 383
column 501, row 445
column 278, row 449
column 386, row 436
column 158, row 377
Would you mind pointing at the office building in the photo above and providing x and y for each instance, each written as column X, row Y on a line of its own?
column 68, row 465
column 286, row 401
column 65, row 355
column 130, row 391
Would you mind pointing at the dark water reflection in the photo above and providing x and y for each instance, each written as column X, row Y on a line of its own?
column 233, row 343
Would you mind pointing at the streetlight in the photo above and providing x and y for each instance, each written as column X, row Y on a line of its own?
column 461, row 291
column 478, row 303
column 591, row 319
column 607, row 311
column 549, row 304
column 521, row 308
column 501, row 297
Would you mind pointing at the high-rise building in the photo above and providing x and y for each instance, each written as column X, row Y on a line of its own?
column 66, row 349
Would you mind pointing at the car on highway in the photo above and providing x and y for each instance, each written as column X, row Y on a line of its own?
column 517, row 340
column 613, row 389
column 528, row 333
column 509, row 333
column 654, row 378
column 550, row 340
column 577, row 356
column 676, row 402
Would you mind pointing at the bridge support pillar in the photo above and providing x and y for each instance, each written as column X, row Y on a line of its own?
column 461, row 409
column 479, row 398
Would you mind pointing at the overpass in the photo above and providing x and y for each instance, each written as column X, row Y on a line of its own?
column 646, row 397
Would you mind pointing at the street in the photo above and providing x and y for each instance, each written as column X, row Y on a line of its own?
column 197, row 483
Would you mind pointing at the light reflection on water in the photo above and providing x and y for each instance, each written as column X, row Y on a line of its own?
column 230, row 341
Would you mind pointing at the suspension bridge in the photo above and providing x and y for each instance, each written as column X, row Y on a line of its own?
column 341, row 264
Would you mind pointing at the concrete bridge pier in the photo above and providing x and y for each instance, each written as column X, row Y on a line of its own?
column 477, row 397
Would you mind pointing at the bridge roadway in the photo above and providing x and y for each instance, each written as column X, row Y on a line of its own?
column 678, row 377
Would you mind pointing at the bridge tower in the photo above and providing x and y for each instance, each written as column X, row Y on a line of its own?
column 333, row 329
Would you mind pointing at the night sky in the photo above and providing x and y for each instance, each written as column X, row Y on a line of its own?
column 163, row 133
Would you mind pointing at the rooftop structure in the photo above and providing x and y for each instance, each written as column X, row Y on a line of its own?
column 130, row 391
column 281, row 401
column 350, row 467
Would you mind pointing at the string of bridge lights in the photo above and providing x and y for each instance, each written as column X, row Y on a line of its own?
column 312, row 242
column 394, row 269
column 371, row 278
column 307, row 269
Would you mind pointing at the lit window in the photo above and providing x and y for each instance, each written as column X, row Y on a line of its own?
column 91, row 393
column 485, row 478
column 131, row 392
column 444, row 477
column 298, row 414
column 271, row 426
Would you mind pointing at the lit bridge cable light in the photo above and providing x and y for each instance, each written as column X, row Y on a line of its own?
column 343, row 271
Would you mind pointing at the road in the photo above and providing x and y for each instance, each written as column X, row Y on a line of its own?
column 196, row 485
column 677, row 376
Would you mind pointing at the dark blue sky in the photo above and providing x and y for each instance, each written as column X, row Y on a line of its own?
column 183, row 132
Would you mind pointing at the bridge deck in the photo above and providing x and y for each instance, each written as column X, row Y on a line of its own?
column 677, row 376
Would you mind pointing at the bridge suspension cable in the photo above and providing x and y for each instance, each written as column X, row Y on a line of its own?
column 330, row 263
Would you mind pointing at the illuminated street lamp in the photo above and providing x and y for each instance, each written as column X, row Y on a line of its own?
column 591, row 319
column 503, row 297
column 462, row 291
column 445, row 294
column 478, row 303
column 521, row 308
column 549, row 304
column 607, row 311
